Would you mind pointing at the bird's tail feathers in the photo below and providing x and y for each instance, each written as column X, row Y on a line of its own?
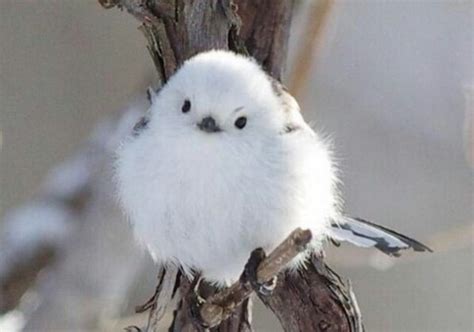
column 366, row 234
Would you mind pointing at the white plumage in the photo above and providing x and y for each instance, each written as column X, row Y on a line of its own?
column 202, row 193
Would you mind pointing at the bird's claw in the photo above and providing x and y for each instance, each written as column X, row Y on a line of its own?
column 195, row 302
column 266, row 288
column 250, row 274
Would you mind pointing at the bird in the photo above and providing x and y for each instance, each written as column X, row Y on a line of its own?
column 222, row 163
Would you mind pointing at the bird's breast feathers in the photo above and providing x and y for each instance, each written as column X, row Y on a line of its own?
column 208, row 204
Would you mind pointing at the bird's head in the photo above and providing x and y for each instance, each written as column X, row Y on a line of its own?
column 220, row 93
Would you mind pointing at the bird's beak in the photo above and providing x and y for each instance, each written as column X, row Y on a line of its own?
column 209, row 125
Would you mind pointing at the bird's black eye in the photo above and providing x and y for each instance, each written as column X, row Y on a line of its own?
column 241, row 122
column 186, row 106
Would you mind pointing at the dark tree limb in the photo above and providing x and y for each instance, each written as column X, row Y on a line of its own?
column 312, row 299
column 22, row 275
column 319, row 300
column 181, row 28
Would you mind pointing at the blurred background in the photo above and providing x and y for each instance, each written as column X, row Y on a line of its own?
column 392, row 82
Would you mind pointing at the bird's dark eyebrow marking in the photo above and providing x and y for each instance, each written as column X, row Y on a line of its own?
column 238, row 109
column 290, row 127
column 140, row 125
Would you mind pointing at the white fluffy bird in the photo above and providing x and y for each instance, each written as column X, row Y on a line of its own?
column 224, row 163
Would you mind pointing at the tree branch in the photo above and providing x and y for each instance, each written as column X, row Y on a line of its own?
column 319, row 300
column 221, row 305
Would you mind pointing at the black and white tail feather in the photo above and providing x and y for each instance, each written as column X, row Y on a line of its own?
column 366, row 234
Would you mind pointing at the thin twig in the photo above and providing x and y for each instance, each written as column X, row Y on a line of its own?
column 107, row 4
column 138, row 8
column 221, row 305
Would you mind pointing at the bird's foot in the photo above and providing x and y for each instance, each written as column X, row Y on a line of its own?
column 195, row 302
column 250, row 274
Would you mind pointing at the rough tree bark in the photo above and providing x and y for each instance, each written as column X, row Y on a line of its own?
column 315, row 298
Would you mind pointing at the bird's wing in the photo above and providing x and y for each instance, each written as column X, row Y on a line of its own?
column 366, row 234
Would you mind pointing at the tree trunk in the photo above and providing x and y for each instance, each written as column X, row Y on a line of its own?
column 315, row 298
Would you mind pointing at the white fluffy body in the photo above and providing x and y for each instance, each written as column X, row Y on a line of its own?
column 205, row 200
